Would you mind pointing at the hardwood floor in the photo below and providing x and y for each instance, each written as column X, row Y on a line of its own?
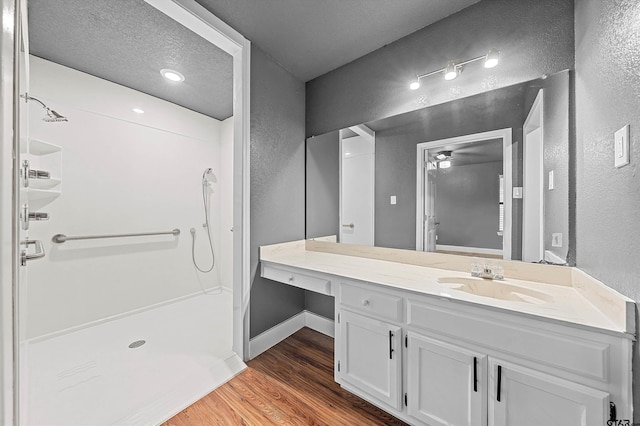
column 290, row 384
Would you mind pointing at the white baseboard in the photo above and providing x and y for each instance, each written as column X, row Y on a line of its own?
column 463, row 249
column 278, row 333
column 319, row 323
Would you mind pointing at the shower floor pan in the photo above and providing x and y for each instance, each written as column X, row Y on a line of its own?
column 179, row 353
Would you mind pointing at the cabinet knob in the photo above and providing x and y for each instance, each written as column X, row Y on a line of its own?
column 365, row 302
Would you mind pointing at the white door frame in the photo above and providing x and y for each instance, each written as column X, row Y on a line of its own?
column 507, row 151
column 8, row 206
column 201, row 21
column 370, row 135
column 533, row 205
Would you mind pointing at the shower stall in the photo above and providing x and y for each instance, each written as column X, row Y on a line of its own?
column 128, row 318
column 120, row 329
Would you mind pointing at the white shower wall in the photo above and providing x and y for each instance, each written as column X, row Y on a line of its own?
column 123, row 172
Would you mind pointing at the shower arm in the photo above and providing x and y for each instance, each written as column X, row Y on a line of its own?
column 52, row 116
column 28, row 98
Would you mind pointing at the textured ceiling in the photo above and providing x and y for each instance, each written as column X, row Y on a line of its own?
column 312, row 37
column 128, row 42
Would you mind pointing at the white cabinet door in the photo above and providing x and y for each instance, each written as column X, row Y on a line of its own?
column 370, row 354
column 523, row 397
column 447, row 384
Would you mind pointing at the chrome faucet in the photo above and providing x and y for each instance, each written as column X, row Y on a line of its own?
column 486, row 271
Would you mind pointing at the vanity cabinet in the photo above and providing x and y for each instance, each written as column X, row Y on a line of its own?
column 526, row 397
column 447, row 383
column 370, row 357
column 433, row 361
column 448, row 386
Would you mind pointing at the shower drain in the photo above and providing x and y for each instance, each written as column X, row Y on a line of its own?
column 137, row 344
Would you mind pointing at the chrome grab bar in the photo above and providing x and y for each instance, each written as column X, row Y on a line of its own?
column 39, row 253
column 61, row 238
column 348, row 225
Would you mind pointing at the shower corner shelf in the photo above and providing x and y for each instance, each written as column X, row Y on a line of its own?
column 44, row 183
column 43, row 194
column 40, row 147
column 48, row 157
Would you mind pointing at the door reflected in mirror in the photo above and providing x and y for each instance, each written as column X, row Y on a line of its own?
column 523, row 215
column 460, row 188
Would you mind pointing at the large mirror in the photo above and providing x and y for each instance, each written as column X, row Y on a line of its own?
column 486, row 175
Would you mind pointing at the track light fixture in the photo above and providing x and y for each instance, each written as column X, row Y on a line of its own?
column 443, row 155
column 492, row 58
column 452, row 70
column 443, row 159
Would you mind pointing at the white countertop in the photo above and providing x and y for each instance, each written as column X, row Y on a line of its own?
column 562, row 302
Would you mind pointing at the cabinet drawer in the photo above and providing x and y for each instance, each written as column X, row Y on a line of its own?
column 542, row 346
column 307, row 282
column 372, row 302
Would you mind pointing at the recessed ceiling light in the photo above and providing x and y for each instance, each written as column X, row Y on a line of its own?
column 138, row 111
column 172, row 75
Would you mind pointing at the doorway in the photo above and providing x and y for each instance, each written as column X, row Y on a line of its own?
column 533, row 183
column 357, row 182
column 461, row 187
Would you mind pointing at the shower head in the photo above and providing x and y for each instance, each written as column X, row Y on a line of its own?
column 52, row 116
column 205, row 174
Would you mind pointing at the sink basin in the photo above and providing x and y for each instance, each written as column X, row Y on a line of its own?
column 496, row 290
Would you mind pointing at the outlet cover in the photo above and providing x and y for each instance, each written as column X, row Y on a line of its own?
column 551, row 182
column 392, row 199
column 517, row 192
column 556, row 240
column 621, row 149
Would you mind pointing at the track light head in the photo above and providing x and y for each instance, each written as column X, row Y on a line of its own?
column 451, row 71
column 492, row 58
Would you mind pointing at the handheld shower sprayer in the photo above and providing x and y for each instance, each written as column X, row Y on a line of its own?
column 52, row 116
column 205, row 183
column 206, row 173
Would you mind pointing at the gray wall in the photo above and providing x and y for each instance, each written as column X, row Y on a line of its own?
column 396, row 159
column 534, row 36
column 320, row 304
column 607, row 98
column 323, row 203
column 323, row 185
column 559, row 145
column 556, row 111
column 277, row 183
column 467, row 206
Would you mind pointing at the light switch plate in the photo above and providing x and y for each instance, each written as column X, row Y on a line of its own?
column 621, row 150
column 551, row 183
column 392, row 199
column 556, row 240
column 517, row 192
